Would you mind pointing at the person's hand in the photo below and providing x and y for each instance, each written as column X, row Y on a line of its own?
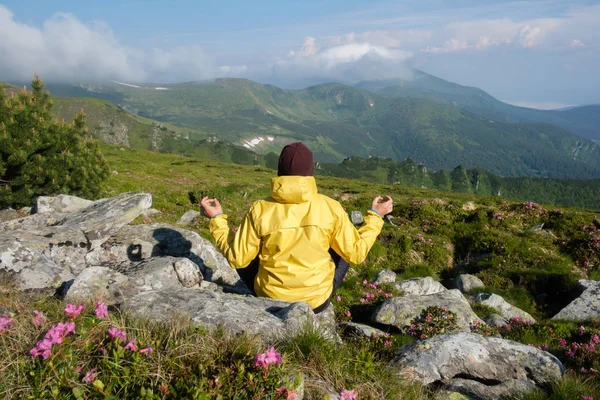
column 383, row 205
column 211, row 207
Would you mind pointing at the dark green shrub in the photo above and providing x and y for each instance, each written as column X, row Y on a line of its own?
column 42, row 156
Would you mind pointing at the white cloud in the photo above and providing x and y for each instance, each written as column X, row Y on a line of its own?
column 577, row 43
column 351, row 61
column 64, row 48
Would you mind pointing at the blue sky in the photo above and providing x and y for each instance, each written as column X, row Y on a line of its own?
column 543, row 51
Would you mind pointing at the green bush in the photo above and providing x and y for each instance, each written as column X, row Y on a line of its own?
column 42, row 156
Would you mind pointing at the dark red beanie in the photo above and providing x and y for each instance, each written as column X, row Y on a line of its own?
column 296, row 159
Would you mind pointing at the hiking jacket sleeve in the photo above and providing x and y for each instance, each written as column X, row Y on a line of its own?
column 351, row 244
column 239, row 249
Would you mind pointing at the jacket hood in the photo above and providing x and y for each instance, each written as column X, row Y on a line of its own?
column 293, row 189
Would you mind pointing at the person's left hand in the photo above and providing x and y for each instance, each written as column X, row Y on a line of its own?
column 211, row 207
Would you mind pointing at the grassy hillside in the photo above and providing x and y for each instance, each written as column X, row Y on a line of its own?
column 429, row 87
column 435, row 234
column 337, row 121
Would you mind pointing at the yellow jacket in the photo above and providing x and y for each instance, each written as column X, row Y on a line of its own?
column 292, row 231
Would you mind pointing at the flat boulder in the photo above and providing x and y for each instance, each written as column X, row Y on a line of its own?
column 477, row 366
column 420, row 286
column 385, row 276
column 265, row 318
column 103, row 218
column 586, row 306
column 62, row 203
column 353, row 329
column 506, row 309
column 140, row 242
column 401, row 311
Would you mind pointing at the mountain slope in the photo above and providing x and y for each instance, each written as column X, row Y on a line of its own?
column 337, row 121
column 426, row 86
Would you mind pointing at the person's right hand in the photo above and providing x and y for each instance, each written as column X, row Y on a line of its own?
column 383, row 205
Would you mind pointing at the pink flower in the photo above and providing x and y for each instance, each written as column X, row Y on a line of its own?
column 39, row 319
column 115, row 333
column 57, row 333
column 90, row 376
column 146, row 350
column 348, row 394
column 338, row 298
column 131, row 345
column 42, row 348
column 387, row 343
column 101, row 310
column 587, row 398
column 266, row 358
column 5, row 323
column 73, row 311
column 348, row 313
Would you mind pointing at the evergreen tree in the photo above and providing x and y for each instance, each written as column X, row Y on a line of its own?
column 42, row 156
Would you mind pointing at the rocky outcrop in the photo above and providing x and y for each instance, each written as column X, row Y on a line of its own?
column 586, row 306
column 477, row 366
column 467, row 283
column 269, row 319
column 401, row 311
column 420, row 286
column 506, row 309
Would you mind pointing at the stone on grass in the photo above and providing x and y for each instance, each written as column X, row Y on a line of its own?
column 467, row 283
column 385, row 276
column 401, row 311
column 477, row 366
column 506, row 309
column 357, row 218
column 586, row 306
column 420, row 286
column 495, row 320
column 189, row 217
column 265, row 318
column 353, row 329
column 60, row 204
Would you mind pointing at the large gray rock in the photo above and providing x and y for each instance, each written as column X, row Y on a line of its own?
column 467, row 283
column 140, row 242
column 477, row 366
column 495, row 320
column 265, row 318
column 62, row 203
column 506, row 309
column 41, row 259
column 400, row 311
column 126, row 279
column 105, row 217
column 420, row 286
column 586, row 306
column 385, row 276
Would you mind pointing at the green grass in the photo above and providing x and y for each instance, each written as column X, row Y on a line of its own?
column 435, row 234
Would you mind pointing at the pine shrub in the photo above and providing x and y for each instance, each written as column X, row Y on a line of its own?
column 42, row 156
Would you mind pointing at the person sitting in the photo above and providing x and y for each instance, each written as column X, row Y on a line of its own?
column 302, row 240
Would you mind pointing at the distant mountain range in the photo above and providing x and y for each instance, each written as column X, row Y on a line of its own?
column 582, row 121
column 433, row 121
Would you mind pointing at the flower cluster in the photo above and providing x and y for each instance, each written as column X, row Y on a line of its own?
column 267, row 358
column 433, row 321
column 39, row 318
column 348, row 395
column 116, row 334
column 373, row 292
column 5, row 323
column 56, row 335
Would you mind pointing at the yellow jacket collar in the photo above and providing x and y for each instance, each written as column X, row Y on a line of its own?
column 293, row 189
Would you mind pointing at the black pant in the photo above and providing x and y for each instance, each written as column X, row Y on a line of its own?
column 249, row 273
